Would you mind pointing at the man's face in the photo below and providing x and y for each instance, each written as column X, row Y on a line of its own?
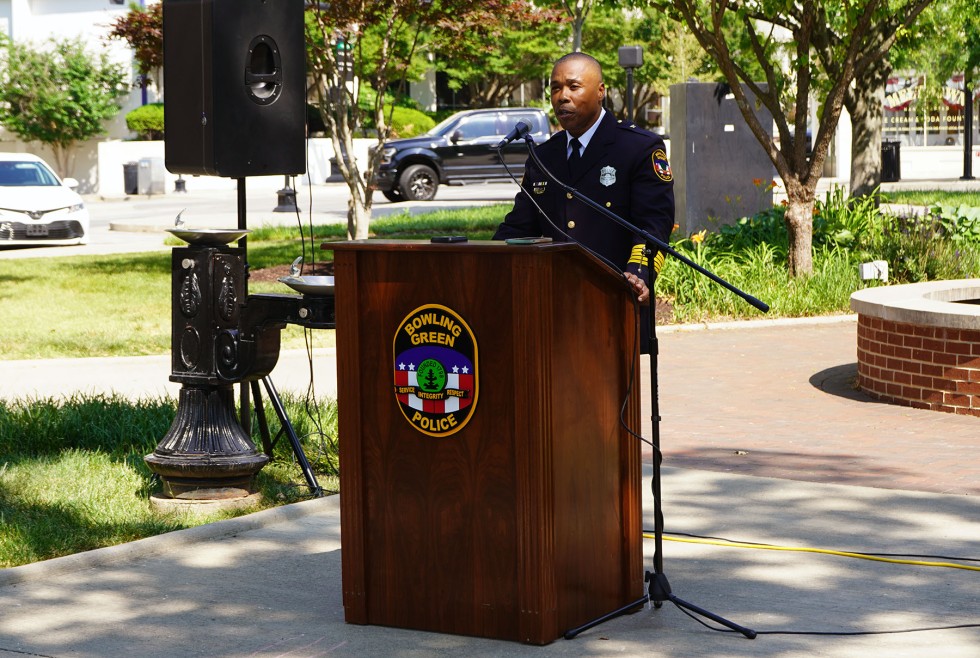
column 576, row 94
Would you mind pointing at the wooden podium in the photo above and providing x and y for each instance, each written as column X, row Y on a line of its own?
column 517, row 516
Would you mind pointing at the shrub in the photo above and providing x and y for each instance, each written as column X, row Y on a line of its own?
column 767, row 227
column 919, row 249
column 406, row 122
column 147, row 121
column 960, row 222
column 852, row 223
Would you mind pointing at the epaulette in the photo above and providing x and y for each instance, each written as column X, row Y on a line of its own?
column 630, row 125
column 635, row 129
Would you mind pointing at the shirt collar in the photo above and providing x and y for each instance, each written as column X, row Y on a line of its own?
column 587, row 135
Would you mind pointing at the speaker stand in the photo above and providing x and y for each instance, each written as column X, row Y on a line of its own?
column 285, row 427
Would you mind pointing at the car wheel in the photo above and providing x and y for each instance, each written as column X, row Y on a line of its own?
column 393, row 195
column 419, row 183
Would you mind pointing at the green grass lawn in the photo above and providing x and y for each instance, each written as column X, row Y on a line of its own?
column 932, row 197
column 119, row 305
column 72, row 475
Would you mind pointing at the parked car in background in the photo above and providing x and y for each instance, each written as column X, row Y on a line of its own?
column 457, row 151
column 37, row 207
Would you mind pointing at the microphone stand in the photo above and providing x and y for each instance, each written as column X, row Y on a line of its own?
column 659, row 589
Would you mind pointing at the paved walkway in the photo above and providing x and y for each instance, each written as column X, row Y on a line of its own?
column 779, row 401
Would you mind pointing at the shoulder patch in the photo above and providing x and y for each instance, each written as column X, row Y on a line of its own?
column 661, row 167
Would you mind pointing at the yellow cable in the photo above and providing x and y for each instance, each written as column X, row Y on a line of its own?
column 825, row 551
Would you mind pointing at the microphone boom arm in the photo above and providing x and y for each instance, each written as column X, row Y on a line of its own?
column 762, row 306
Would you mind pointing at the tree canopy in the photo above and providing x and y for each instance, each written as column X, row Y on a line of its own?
column 781, row 55
column 142, row 29
column 493, row 65
column 354, row 44
column 59, row 95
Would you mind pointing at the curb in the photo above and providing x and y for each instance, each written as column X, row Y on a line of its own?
column 137, row 228
column 168, row 541
column 756, row 324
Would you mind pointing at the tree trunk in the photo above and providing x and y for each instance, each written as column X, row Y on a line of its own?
column 578, row 11
column 799, row 226
column 864, row 102
column 358, row 213
column 577, row 25
column 359, row 202
column 62, row 159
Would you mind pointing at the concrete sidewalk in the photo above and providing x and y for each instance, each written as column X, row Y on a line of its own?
column 269, row 584
column 764, row 440
column 148, row 376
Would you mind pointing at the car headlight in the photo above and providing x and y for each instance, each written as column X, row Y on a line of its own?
column 387, row 154
column 78, row 207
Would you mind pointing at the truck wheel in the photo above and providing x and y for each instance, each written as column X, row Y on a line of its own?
column 419, row 183
column 393, row 195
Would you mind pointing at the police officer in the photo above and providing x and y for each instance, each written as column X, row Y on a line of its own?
column 614, row 163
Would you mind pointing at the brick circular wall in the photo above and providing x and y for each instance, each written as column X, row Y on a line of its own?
column 918, row 348
column 919, row 366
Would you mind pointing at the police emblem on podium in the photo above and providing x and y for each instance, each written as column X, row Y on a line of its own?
column 436, row 379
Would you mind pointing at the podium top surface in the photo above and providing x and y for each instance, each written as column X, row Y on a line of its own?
column 428, row 245
column 474, row 247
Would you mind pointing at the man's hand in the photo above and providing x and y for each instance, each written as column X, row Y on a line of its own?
column 639, row 287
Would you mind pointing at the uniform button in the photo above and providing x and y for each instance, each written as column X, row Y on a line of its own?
column 571, row 224
column 569, row 195
column 608, row 204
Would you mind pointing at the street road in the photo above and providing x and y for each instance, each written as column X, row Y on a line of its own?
column 137, row 223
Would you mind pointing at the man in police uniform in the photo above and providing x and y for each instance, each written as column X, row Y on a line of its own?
column 617, row 165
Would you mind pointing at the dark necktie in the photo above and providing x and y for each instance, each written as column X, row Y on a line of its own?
column 575, row 159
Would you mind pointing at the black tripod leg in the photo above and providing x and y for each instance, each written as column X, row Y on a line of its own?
column 267, row 444
column 304, row 464
column 571, row 633
column 660, row 591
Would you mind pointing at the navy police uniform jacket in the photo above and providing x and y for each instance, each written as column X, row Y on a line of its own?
column 625, row 169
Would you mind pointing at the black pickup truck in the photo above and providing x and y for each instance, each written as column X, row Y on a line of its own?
column 459, row 150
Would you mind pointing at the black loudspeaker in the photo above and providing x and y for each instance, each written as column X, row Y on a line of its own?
column 235, row 87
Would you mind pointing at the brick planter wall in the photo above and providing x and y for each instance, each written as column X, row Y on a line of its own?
column 927, row 367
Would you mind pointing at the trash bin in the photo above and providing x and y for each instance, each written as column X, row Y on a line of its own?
column 891, row 162
column 150, row 176
column 131, row 177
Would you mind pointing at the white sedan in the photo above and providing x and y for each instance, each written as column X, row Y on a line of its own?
column 37, row 207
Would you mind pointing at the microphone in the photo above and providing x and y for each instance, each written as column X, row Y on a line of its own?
column 520, row 129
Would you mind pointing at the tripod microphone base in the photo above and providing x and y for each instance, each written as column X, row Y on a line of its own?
column 572, row 633
column 659, row 591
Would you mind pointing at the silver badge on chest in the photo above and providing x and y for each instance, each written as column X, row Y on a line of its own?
column 607, row 176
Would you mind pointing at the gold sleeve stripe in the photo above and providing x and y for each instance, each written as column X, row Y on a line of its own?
column 638, row 256
column 658, row 262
